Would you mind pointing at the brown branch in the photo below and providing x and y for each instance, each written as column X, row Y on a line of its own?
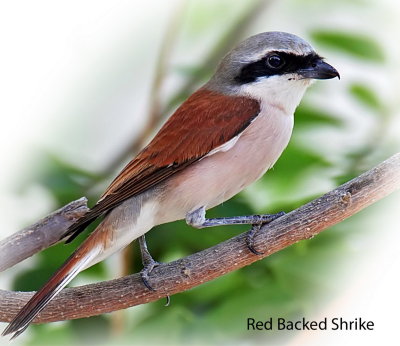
column 170, row 278
column 41, row 235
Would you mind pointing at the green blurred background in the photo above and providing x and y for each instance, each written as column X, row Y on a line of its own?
column 129, row 65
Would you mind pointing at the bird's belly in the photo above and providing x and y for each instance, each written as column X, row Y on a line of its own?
column 218, row 177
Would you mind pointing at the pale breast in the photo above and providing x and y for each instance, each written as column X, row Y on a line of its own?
column 224, row 173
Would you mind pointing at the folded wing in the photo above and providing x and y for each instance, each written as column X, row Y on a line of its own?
column 205, row 121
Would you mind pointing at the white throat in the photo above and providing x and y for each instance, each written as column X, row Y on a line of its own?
column 282, row 92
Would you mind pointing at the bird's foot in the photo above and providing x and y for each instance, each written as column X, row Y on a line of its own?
column 148, row 265
column 261, row 220
column 146, row 271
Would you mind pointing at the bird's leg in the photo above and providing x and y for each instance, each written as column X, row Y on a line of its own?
column 198, row 219
column 148, row 263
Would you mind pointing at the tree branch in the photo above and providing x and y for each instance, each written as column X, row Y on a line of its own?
column 41, row 235
column 170, row 278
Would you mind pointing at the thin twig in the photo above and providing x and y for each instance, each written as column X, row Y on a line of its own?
column 171, row 278
column 155, row 114
column 231, row 37
column 41, row 235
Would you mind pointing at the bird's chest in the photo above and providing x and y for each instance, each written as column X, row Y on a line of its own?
column 227, row 171
column 256, row 150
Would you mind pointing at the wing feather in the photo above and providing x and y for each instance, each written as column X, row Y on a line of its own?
column 205, row 121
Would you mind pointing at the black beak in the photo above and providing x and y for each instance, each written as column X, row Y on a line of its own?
column 319, row 69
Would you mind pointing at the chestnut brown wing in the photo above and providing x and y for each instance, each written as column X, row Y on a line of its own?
column 205, row 121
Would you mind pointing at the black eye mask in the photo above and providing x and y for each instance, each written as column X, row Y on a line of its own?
column 269, row 66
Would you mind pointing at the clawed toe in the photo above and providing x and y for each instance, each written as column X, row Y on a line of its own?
column 148, row 263
column 263, row 219
column 145, row 273
column 250, row 239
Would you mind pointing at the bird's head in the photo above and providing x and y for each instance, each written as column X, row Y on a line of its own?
column 271, row 66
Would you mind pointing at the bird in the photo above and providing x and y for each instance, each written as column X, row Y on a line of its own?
column 224, row 137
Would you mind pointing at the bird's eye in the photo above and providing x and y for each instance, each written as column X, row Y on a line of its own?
column 275, row 61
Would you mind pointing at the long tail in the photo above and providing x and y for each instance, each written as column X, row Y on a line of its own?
column 119, row 228
column 79, row 260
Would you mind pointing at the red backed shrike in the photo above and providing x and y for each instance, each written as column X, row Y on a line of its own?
column 222, row 138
